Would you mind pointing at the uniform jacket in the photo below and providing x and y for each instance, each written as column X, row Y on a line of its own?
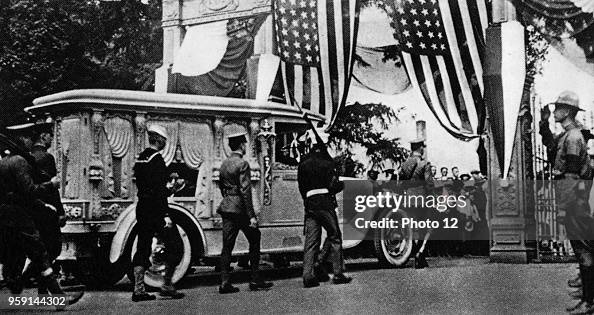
column 416, row 172
column 46, row 168
column 151, row 176
column 19, row 193
column 570, row 142
column 318, row 171
column 236, row 186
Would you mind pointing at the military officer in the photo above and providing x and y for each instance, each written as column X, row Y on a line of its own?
column 318, row 183
column 152, row 215
column 237, row 212
column 18, row 232
column 46, row 167
column 37, row 138
column 416, row 174
column 573, row 174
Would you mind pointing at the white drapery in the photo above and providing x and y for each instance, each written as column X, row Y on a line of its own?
column 202, row 50
column 194, row 143
column 119, row 135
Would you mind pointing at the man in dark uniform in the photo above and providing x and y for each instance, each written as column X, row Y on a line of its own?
column 37, row 138
column 318, row 183
column 573, row 175
column 237, row 212
column 152, row 215
column 49, row 221
column 18, row 232
column 416, row 174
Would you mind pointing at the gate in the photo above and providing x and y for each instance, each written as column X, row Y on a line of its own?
column 552, row 243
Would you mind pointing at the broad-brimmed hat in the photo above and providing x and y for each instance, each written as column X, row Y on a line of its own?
column 159, row 130
column 21, row 127
column 32, row 122
column 569, row 99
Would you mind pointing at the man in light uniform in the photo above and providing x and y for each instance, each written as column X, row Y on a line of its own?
column 237, row 212
column 416, row 176
column 573, row 174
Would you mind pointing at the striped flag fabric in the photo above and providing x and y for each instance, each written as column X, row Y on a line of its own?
column 442, row 44
column 316, row 42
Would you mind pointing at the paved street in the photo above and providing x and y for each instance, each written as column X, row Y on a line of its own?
column 450, row 286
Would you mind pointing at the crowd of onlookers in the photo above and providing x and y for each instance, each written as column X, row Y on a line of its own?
column 471, row 238
column 473, row 235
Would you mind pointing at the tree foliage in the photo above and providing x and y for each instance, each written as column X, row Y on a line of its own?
column 365, row 125
column 537, row 49
column 48, row 46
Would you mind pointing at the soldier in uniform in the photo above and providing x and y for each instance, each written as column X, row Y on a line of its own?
column 152, row 215
column 49, row 221
column 318, row 183
column 18, row 232
column 573, row 175
column 37, row 138
column 237, row 212
column 416, row 172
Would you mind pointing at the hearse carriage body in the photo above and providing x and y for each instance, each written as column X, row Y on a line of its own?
column 97, row 137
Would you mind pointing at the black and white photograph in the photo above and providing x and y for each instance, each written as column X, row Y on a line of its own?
column 297, row 156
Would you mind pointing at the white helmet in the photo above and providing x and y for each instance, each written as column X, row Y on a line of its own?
column 160, row 130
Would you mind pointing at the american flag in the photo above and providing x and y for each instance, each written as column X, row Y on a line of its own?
column 442, row 44
column 316, row 41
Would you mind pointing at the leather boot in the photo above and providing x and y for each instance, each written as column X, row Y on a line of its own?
column 51, row 284
column 321, row 272
column 139, row 289
column 168, row 290
column 41, row 289
column 420, row 261
column 588, row 284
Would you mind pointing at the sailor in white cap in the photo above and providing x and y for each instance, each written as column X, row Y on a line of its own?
column 158, row 130
column 571, row 168
column 152, row 215
column 237, row 212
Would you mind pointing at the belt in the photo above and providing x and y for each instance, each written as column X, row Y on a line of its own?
column 318, row 191
column 231, row 191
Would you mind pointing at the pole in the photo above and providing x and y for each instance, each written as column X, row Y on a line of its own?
column 512, row 224
column 503, row 11
column 306, row 118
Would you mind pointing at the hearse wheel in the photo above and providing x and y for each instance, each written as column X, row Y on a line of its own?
column 183, row 241
column 393, row 247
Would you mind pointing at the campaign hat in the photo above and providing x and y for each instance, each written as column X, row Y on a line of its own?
column 568, row 99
